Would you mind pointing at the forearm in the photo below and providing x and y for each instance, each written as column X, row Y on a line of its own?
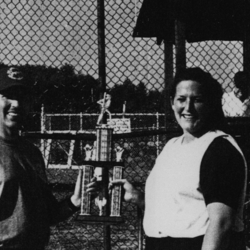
column 217, row 237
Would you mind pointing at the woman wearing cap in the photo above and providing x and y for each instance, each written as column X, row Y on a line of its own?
column 195, row 193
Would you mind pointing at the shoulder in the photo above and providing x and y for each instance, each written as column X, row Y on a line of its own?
column 221, row 157
column 30, row 150
column 171, row 142
column 222, row 173
column 27, row 145
column 33, row 156
column 169, row 146
column 221, row 146
column 174, row 140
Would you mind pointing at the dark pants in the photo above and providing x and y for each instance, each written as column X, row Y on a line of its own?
column 168, row 243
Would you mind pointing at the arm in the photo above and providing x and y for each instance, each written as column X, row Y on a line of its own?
column 222, row 179
column 92, row 189
column 59, row 211
column 217, row 236
column 131, row 193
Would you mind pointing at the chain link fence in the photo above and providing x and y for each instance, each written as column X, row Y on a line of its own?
column 55, row 33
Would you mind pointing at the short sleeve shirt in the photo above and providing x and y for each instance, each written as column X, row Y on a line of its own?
column 222, row 173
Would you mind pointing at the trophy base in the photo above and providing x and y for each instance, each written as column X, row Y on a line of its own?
column 109, row 220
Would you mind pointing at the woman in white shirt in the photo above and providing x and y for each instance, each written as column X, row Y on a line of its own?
column 194, row 195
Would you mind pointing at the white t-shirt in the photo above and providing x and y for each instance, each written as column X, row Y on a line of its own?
column 174, row 205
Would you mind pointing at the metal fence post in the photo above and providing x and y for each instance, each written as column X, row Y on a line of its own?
column 157, row 137
column 180, row 45
column 42, row 124
column 168, row 61
column 102, row 79
column 140, row 229
column 246, row 45
column 101, row 44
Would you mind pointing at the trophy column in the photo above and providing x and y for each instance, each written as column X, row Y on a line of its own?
column 86, row 197
column 116, row 192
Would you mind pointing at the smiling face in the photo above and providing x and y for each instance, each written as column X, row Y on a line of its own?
column 12, row 110
column 191, row 108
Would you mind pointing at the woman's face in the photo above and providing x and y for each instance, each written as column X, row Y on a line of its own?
column 191, row 107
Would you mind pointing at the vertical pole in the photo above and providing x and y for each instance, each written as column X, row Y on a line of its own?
column 81, row 117
column 101, row 49
column 180, row 45
column 157, row 137
column 101, row 43
column 103, row 153
column 140, row 228
column 81, row 130
column 246, row 43
column 69, row 122
column 42, row 120
column 168, row 61
column 102, row 79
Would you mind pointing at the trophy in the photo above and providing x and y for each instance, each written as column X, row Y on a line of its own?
column 98, row 162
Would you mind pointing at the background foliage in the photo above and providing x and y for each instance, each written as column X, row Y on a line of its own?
column 61, row 90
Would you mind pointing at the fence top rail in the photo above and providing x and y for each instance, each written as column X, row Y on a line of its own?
column 114, row 114
column 80, row 136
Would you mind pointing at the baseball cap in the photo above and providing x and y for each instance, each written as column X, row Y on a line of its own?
column 11, row 77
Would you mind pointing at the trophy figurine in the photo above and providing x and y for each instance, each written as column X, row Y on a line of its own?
column 88, row 152
column 105, row 104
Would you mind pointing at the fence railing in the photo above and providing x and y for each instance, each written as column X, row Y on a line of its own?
column 84, row 123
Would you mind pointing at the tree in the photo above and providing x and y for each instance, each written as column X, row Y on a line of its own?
column 138, row 98
column 61, row 90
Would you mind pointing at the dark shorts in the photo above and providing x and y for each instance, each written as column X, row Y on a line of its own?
column 168, row 243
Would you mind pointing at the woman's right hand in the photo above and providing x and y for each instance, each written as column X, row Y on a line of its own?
column 131, row 193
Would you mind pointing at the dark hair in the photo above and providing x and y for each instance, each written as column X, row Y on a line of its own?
column 211, row 89
column 241, row 79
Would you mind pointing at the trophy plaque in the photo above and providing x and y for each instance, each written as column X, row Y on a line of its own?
column 86, row 197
